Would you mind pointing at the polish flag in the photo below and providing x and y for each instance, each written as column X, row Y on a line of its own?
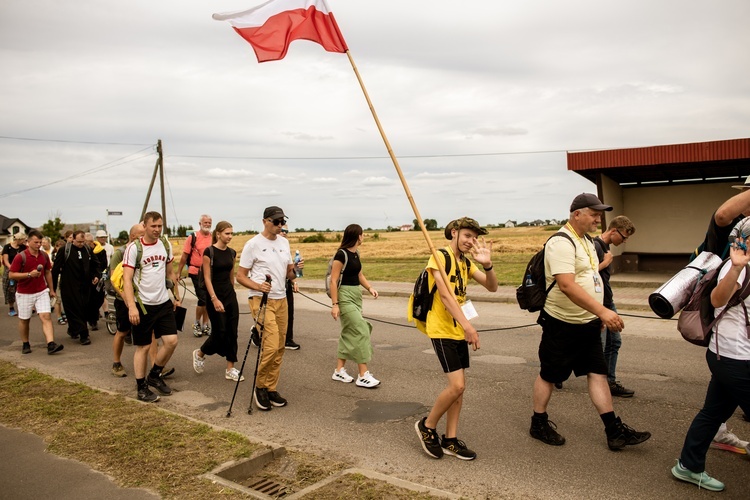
column 272, row 26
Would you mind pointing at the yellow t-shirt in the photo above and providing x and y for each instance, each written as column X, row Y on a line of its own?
column 560, row 257
column 440, row 323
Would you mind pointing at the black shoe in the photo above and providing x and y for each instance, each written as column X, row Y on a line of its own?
column 145, row 394
column 456, row 448
column 129, row 339
column 72, row 335
column 620, row 435
column 167, row 373
column 291, row 345
column 261, row 399
column 276, row 399
column 429, row 439
column 26, row 349
column 158, row 384
column 558, row 385
column 85, row 341
column 255, row 337
column 545, row 431
column 616, row 389
column 52, row 348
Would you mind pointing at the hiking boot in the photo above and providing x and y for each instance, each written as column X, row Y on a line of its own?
column 545, row 431
column 207, row 330
column 620, row 435
column 276, row 399
column 145, row 395
column 291, row 345
column 456, row 448
column 616, row 389
column 52, row 348
column 85, row 341
column 118, row 370
column 255, row 337
column 429, row 439
column 726, row 440
column 158, row 384
column 342, row 376
column 261, row 399
column 367, row 381
column 702, row 479
column 198, row 362
column 197, row 329
column 26, row 349
column 233, row 374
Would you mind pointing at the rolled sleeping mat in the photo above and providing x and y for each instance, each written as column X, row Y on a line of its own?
column 673, row 295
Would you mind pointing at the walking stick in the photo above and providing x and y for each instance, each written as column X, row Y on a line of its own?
column 261, row 311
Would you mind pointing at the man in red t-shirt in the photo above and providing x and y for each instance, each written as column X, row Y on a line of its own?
column 192, row 255
column 33, row 272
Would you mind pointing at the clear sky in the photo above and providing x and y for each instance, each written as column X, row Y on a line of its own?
column 479, row 99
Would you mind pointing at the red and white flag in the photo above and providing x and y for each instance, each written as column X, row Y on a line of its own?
column 272, row 26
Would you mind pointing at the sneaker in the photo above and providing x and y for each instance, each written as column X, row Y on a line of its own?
column 255, row 337
column 726, row 440
column 702, row 479
column 52, row 348
column 558, row 385
column 342, row 376
column 26, row 349
column 12, row 312
column 233, row 374
column 620, row 435
column 129, row 338
column 197, row 329
column 545, row 431
column 85, row 341
column 291, row 345
column 158, row 384
column 457, row 448
column 616, row 389
column 166, row 372
column 118, row 370
column 73, row 336
column 145, row 395
column 62, row 321
column 276, row 399
column 429, row 439
column 261, row 399
column 198, row 362
column 367, row 380
column 207, row 330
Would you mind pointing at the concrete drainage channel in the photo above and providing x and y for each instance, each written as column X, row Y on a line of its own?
column 247, row 476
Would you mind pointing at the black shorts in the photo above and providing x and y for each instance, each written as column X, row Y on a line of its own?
column 159, row 320
column 121, row 316
column 201, row 293
column 567, row 348
column 453, row 354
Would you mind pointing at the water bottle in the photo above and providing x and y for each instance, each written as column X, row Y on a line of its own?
column 528, row 281
column 297, row 258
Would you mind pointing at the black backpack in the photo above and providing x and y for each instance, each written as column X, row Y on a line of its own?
column 422, row 295
column 532, row 294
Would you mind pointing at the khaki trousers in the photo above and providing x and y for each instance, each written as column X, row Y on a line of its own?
column 274, row 334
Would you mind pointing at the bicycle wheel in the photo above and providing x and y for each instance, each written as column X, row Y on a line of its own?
column 111, row 323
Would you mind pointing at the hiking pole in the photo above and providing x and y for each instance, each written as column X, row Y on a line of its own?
column 261, row 309
column 263, row 305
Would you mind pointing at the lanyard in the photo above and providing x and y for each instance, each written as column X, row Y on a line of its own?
column 585, row 247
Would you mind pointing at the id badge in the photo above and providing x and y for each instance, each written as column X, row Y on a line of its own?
column 468, row 310
column 597, row 285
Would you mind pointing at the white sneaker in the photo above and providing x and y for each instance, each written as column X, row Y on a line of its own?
column 206, row 330
column 367, row 380
column 197, row 329
column 342, row 376
column 233, row 374
column 726, row 440
column 198, row 362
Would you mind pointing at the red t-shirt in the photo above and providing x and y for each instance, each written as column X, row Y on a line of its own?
column 33, row 285
column 195, row 259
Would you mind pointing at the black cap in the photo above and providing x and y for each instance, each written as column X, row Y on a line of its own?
column 273, row 213
column 588, row 200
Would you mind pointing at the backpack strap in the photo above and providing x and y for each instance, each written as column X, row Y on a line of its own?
column 560, row 233
column 738, row 298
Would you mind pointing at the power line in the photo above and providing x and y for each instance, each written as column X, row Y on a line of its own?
column 70, row 142
column 458, row 155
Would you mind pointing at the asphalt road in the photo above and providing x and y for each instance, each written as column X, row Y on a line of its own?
column 374, row 428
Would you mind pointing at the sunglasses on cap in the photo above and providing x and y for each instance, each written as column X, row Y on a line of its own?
column 276, row 222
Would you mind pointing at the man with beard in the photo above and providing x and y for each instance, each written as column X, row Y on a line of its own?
column 192, row 255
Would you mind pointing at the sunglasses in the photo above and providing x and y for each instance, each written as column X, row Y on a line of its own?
column 276, row 222
column 285, row 231
column 624, row 238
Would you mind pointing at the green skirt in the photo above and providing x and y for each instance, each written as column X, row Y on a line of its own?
column 354, row 343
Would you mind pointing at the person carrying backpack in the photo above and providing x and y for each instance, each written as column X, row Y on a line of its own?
column 451, row 333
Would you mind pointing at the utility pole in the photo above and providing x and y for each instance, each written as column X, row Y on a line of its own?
column 159, row 167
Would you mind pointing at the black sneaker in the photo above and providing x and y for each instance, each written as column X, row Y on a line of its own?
column 52, row 348
column 429, row 439
column 291, row 345
column 26, row 349
column 167, row 373
column 85, row 341
column 616, row 389
column 261, row 399
column 620, row 435
column 276, row 399
column 158, row 384
column 255, row 337
column 545, row 431
column 145, row 395
column 456, row 448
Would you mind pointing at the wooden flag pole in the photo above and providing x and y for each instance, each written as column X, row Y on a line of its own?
column 401, row 176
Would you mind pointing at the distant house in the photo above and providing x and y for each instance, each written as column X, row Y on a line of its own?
column 553, row 222
column 538, row 222
column 510, row 223
column 9, row 227
column 406, row 227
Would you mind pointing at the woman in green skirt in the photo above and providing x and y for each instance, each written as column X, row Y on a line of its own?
column 346, row 277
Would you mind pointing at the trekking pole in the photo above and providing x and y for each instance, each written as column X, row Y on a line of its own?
column 261, row 310
column 263, row 305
